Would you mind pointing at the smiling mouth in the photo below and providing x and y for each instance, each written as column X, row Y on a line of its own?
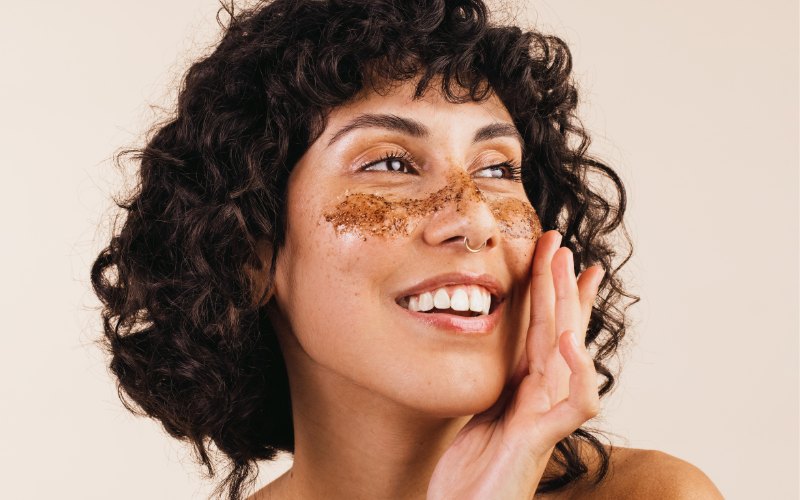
column 459, row 300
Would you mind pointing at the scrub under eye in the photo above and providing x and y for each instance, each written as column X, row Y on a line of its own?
column 374, row 215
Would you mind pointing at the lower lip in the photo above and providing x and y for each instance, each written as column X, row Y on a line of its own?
column 474, row 326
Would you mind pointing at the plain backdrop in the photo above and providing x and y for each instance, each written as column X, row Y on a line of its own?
column 695, row 102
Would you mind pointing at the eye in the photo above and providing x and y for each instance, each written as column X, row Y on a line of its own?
column 505, row 170
column 392, row 162
column 393, row 165
column 495, row 171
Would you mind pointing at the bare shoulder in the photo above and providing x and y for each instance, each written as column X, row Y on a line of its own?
column 654, row 474
column 650, row 474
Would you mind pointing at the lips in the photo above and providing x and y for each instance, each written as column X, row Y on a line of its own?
column 461, row 301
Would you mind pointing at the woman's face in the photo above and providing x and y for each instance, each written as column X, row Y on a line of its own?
column 378, row 210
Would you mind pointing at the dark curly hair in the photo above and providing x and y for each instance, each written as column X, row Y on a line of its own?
column 187, row 344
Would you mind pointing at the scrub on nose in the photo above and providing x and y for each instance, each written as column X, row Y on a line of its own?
column 370, row 214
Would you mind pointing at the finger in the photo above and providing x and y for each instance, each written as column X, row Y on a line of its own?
column 588, row 285
column 583, row 402
column 568, row 304
column 542, row 337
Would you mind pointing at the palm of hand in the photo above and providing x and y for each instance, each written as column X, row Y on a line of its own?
column 502, row 452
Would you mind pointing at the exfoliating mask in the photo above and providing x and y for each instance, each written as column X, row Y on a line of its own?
column 370, row 214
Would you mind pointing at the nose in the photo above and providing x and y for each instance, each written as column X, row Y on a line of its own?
column 466, row 214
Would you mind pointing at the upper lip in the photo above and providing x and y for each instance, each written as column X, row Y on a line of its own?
column 487, row 281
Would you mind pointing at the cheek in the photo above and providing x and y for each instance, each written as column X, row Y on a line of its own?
column 518, row 253
column 520, row 229
column 330, row 289
column 517, row 219
column 325, row 274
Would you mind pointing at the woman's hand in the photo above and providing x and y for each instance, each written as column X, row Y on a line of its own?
column 502, row 452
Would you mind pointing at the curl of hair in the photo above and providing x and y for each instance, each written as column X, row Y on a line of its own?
column 187, row 345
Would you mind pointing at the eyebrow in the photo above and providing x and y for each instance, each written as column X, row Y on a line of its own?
column 494, row 130
column 385, row 121
column 414, row 128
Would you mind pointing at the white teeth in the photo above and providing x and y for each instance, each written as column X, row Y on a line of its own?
column 476, row 300
column 441, row 300
column 459, row 301
column 426, row 301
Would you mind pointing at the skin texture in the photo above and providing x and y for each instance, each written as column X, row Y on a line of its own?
column 399, row 405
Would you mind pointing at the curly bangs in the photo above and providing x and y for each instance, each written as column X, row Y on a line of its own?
column 187, row 344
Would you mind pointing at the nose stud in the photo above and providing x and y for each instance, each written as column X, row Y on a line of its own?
column 473, row 250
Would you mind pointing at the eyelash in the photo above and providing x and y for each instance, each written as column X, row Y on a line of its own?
column 514, row 171
column 394, row 155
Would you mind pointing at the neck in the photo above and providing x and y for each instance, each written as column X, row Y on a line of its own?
column 353, row 443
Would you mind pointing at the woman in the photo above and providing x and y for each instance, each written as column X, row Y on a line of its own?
column 357, row 240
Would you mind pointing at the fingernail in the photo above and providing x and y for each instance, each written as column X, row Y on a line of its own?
column 574, row 339
column 600, row 278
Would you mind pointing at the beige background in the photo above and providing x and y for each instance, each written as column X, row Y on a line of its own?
column 696, row 102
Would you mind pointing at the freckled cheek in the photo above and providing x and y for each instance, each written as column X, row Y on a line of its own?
column 518, row 256
column 342, row 265
column 340, row 300
column 519, row 252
